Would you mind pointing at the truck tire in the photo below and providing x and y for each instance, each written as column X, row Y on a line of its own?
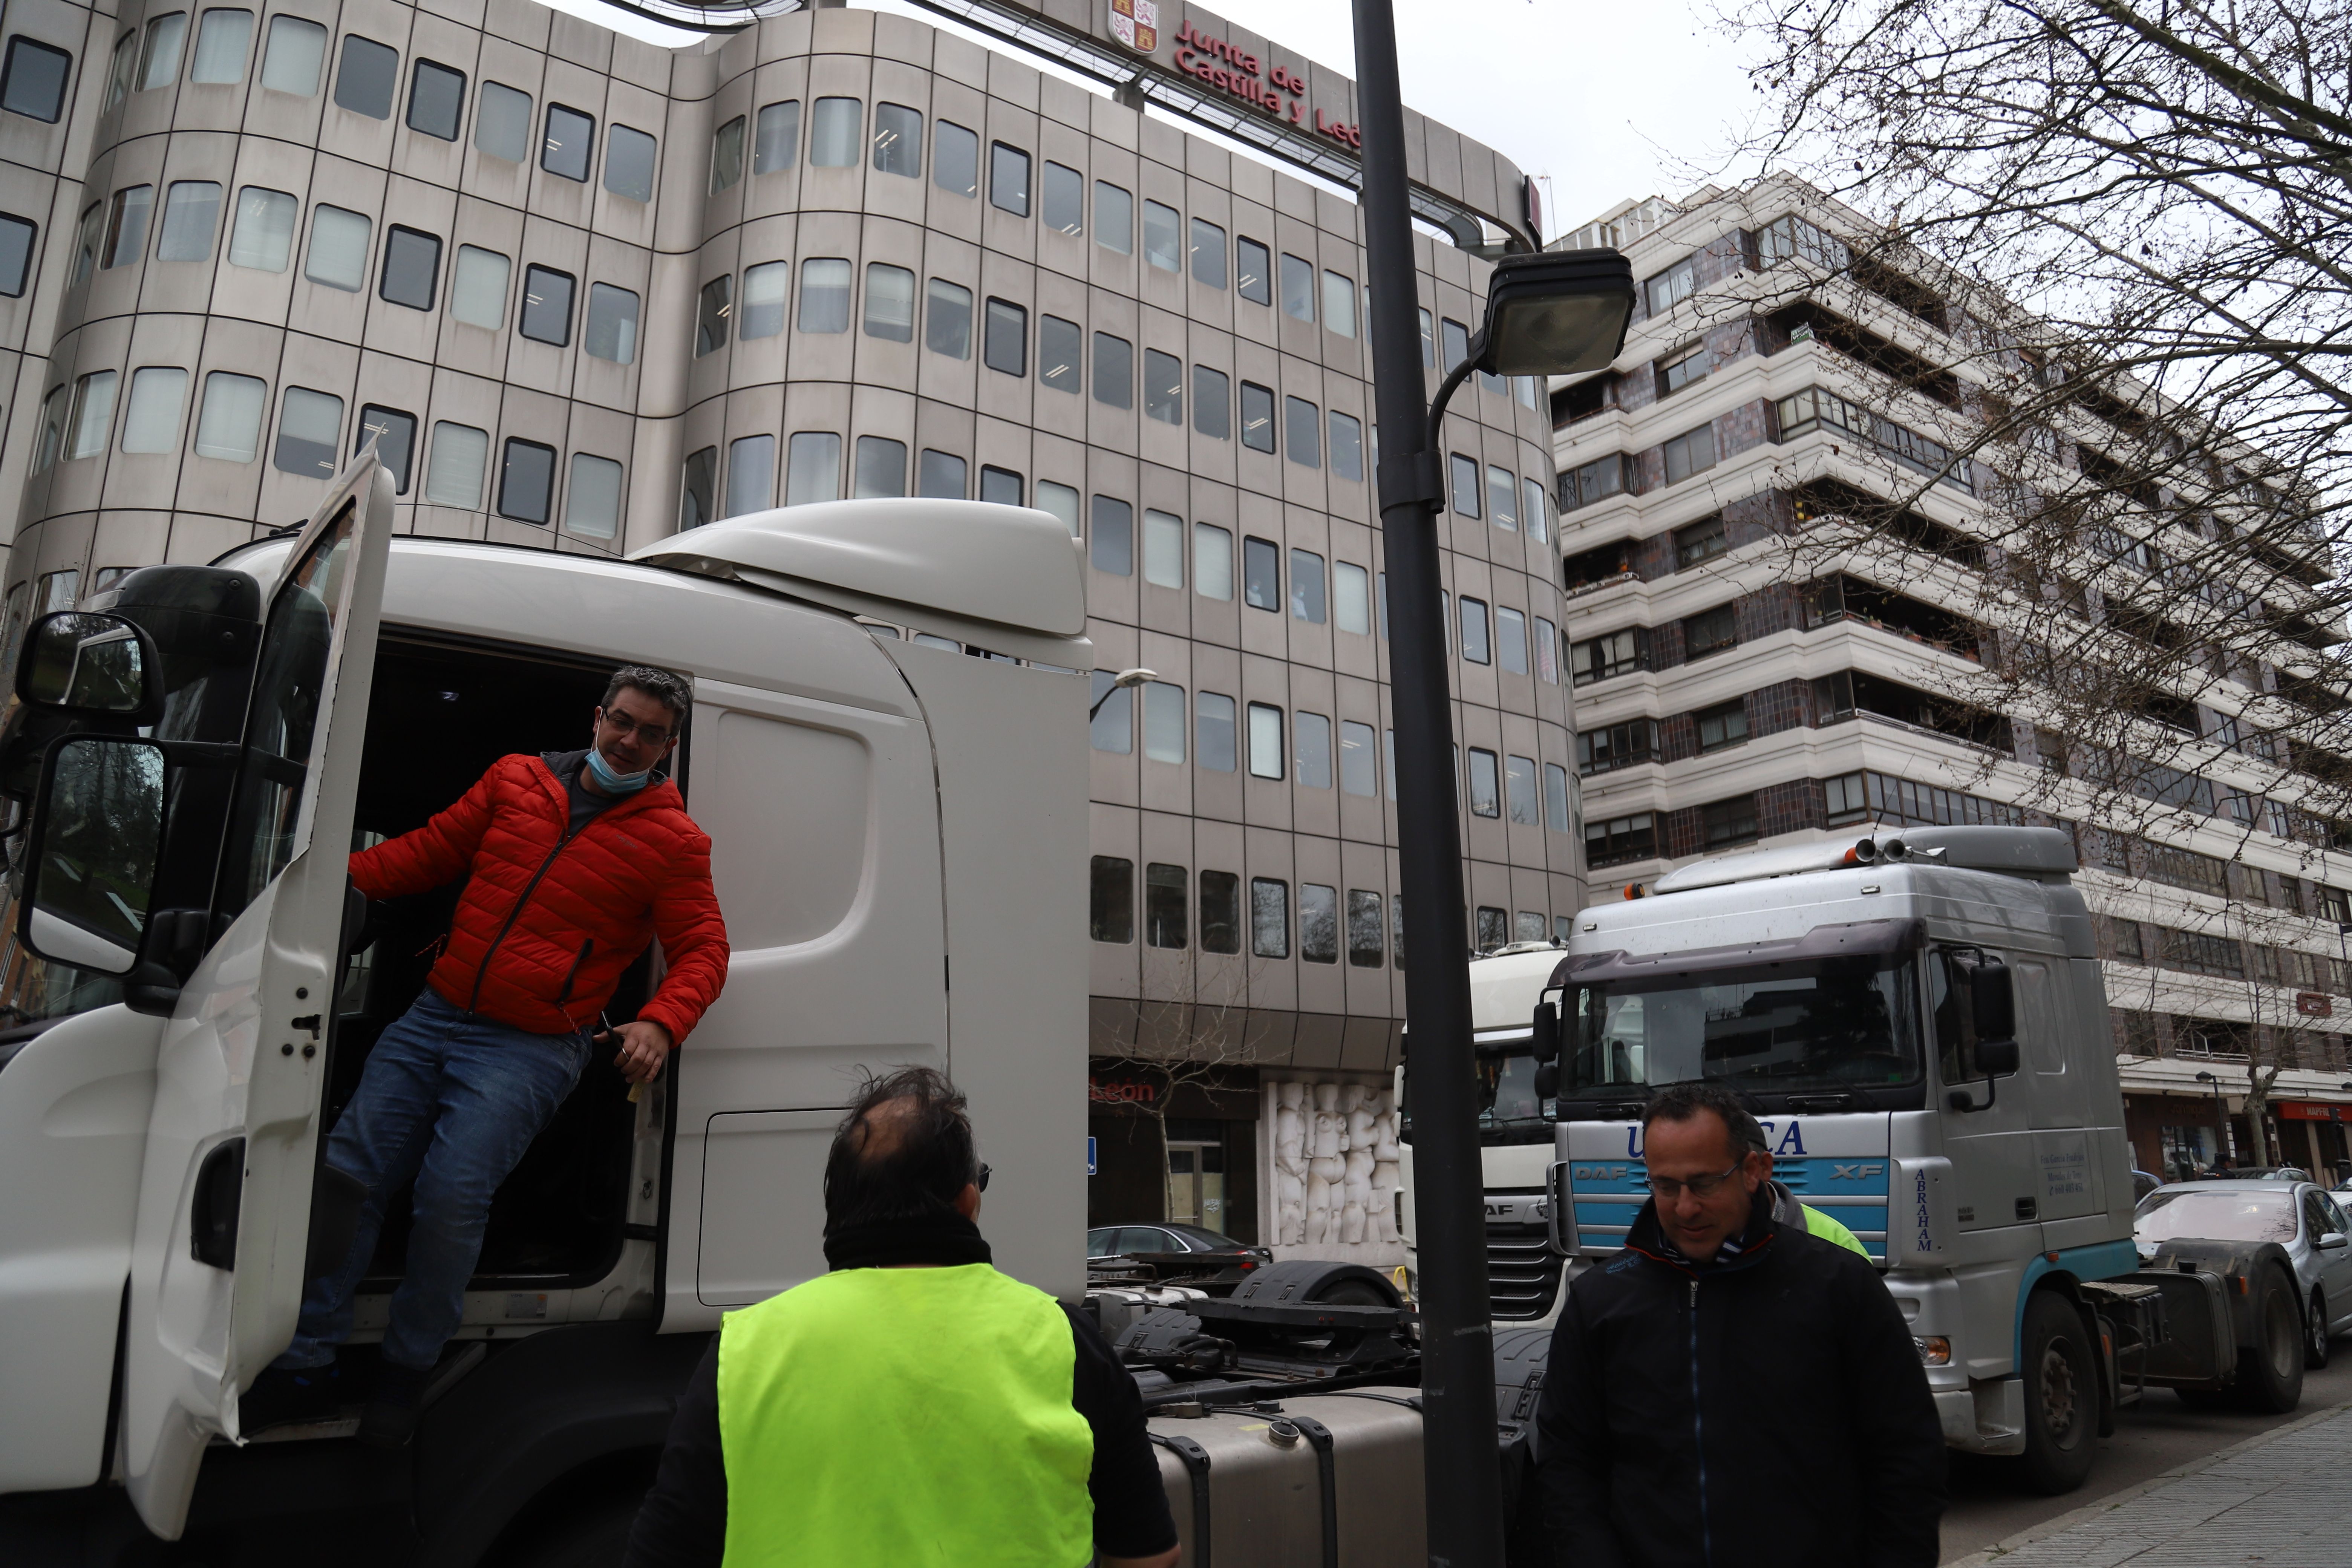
column 2062, row 1396
column 2315, row 1334
column 2269, row 1371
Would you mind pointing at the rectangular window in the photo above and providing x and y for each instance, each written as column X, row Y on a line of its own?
column 824, row 294
column 477, row 287
column 546, row 314
column 1208, row 253
column 940, row 476
column 1000, row 487
column 1673, row 286
column 1163, row 721
column 501, row 118
column 1213, row 560
column 1428, row 342
column 1163, row 387
column 191, row 211
column 1457, row 343
column 1005, row 340
column 1502, row 497
column 160, row 66
column 889, row 302
column 1110, row 900
column 1114, row 218
column 1213, row 722
column 460, row 455
column 727, row 156
column 1257, row 416
column 897, row 141
column 1113, row 536
column 1619, row 839
column 1253, row 271
column 394, row 435
column 126, row 224
column 263, row 236
column 946, row 317
column 776, row 137
column 1475, row 646
column 1485, row 785
column 1710, row 631
column 569, row 147
column 813, row 467
column 1302, row 430
column 1163, row 549
column 1339, row 304
column 229, row 425
column 1724, row 724
column 1351, row 598
column 365, row 79
column 1221, row 912
column 1556, row 797
column 308, row 426
column 1547, row 643
column 1702, row 541
column 1601, row 478
column 1311, row 735
column 1358, row 758
column 1298, row 287
column 1730, row 822
column 611, row 331
column 52, row 429
column 1112, row 727
column 1364, row 947
column 1213, row 404
column 1318, row 923
column 629, row 158
column 1692, row 452
column 1164, row 919
column 835, row 130
column 120, row 76
column 1519, row 791
column 592, row 507
column 1261, row 573
column 1269, row 917
column 338, row 247
column 1531, row 507
column 33, row 80
column 1163, row 243
column 1347, row 446
column 750, row 475
column 1307, row 587
column 1061, row 502
column 527, row 482
column 697, row 494
column 1059, row 345
column 436, row 100
column 879, row 472
column 1114, row 371
column 955, row 159
column 222, row 38
column 1681, row 368
column 1601, row 658
column 412, row 267
column 1510, row 640
column 1265, row 758
column 1465, row 484
column 767, row 292
column 1008, row 179
column 1062, row 199
column 1617, row 746
column 151, row 420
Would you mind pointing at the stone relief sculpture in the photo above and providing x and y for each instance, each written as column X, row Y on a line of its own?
column 1335, row 1170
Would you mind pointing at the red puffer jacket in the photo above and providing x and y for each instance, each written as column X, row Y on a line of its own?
column 547, row 924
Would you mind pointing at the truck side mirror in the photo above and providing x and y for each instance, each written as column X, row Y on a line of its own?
column 1997, row 1058
column 1544, row 1041
column 89, row 864
column 86, row 663
column 1547, row 1081
column 1992, row 1000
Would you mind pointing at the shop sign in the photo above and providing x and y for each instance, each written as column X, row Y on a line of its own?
column 1121, row 1091
column 2309, row 1110
column 2313, row 1004
column 1276, row 89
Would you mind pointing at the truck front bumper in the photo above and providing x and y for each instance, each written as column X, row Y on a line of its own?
column 1987, row 1417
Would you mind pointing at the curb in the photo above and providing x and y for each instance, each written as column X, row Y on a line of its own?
column 2107, row 1504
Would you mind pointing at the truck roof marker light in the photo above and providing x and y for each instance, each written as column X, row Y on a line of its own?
column 1635, row 891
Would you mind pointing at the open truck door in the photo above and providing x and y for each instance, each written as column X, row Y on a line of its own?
column 223, row 1208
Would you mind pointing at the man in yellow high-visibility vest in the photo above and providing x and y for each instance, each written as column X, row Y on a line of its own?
column 913, row 1406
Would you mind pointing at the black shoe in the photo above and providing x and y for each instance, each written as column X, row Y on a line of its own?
column 390, row 1419
column 280, row 1398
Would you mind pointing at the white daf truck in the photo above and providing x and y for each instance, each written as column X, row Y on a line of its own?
column 899, row 835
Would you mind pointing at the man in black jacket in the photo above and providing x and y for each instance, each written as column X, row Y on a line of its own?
column 1728, row 1387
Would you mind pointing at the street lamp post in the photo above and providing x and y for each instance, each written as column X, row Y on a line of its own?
column 2221, row 1115
column 1546, row 314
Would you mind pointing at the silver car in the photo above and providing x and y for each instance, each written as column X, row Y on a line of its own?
column 2303, row 1217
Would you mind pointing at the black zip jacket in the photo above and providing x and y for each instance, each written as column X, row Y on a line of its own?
column 1768, row 1407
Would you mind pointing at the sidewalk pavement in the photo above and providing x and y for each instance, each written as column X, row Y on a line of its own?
column 2283, row 1500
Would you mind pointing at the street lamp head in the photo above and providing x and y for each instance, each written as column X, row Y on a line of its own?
column 2206, row 1078
column 1555, row 312
column 1129, row 679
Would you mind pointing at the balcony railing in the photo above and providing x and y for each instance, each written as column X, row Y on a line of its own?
column 1802, row 412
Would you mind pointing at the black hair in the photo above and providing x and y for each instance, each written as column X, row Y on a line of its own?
column 905, row 1151
column 1681, row 1101
column 659, row 684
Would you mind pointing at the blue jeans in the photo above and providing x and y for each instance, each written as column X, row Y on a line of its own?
column 452, row 1100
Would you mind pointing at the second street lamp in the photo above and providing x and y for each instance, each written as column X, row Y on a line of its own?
column 1546, row 314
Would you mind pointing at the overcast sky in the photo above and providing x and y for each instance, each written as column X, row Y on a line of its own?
column 1614, row 100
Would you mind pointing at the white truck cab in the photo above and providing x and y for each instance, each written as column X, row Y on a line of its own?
column 192, row 986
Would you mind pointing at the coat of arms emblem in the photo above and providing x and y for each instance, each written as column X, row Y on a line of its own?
column 1136, row 24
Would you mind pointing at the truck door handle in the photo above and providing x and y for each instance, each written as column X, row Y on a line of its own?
column 213, row 1208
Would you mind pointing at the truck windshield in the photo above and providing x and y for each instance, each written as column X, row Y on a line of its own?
column 1509, row 1109
column 1835, row 1024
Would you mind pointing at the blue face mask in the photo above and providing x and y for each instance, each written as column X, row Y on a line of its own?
column 612, row 782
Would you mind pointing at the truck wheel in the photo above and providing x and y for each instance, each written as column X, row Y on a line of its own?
column 2270, row 1372
column 596, row 1536
column 2062, row 1396
column 2315, row 1334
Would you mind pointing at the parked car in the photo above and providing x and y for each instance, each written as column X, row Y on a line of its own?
column 2301, row 1217
column 2145, row 1183
column 1169, row 1251
column 2266, row 1173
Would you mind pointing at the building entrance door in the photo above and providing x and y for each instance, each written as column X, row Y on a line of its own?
column 1196, row 1173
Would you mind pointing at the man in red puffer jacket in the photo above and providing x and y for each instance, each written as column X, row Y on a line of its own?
column 573, row 862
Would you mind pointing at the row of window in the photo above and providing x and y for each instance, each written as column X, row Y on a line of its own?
column 229, row 425
column 1167, row 922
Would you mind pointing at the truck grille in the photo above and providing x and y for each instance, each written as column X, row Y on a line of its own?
column 1522, row 1271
